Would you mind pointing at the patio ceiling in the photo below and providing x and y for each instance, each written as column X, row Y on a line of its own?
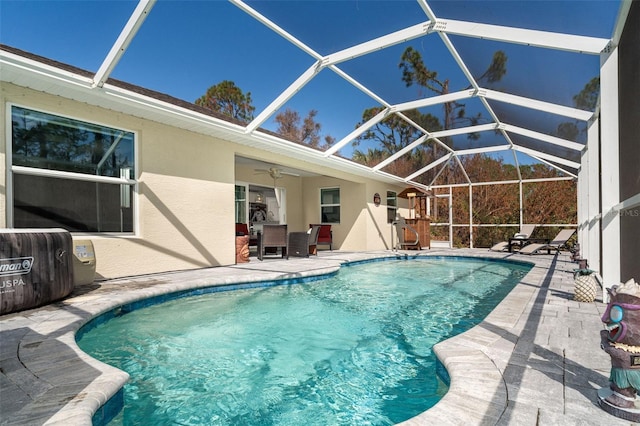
column 341, row 57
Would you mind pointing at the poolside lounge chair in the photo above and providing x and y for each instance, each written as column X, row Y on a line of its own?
column 525, row 232
column 408, row 238
column 559, row 242
column 272, row 237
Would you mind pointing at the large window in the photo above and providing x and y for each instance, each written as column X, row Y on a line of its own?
column 70, row 174
column 330, row 205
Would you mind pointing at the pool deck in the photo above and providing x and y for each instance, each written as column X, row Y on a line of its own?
column 535, row 360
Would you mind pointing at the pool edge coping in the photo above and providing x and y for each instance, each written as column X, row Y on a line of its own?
column 478, row 393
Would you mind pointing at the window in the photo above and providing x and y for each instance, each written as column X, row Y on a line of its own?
column 392, row 206
column 70, row 174
column 241, row 204
column 330, row 205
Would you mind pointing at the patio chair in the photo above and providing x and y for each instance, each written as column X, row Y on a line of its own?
column 272, row 237
column 525, row 232
column 408, row 237
column 313, row 239
column 243, row 229
column 325, row 235
column 558, row 243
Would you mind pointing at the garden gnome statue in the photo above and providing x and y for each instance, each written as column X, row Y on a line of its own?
column 621, row 340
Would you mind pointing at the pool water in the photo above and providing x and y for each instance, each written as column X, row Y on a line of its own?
column 352, row 349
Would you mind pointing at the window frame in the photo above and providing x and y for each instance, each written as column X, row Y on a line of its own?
column 58, row 174
column 244, row 201
column 392, row 207
column 331, row 204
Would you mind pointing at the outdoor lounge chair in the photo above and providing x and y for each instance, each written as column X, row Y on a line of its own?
column 408, row 238
column 559, row 242
column 272, row 237
column 525, row 233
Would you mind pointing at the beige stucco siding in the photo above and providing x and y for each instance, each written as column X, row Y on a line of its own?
column 185, row 223
column 379, row 231
column 363, row 226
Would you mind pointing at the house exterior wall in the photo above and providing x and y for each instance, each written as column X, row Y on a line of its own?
column 363, row 226
column 380, row 234
column 350, row 206
column 185, row 192
column 185, row 195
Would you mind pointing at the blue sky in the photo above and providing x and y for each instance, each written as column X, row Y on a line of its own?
column 186, row 46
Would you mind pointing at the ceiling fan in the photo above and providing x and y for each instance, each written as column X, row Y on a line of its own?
column 276, row 173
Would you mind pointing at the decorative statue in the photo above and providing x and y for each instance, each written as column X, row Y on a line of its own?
column 242, row 249
column 621, row 340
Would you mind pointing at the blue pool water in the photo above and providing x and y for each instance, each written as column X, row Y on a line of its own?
column 351, row 349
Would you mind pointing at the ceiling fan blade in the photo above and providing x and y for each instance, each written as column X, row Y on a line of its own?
column 275, row 172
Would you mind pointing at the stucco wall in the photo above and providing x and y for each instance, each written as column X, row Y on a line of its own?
column 379, row 232
column 362, row 225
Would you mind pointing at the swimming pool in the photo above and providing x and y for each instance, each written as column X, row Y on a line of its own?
column 354, row 348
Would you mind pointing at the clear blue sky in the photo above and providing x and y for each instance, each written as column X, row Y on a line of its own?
column 186, row 46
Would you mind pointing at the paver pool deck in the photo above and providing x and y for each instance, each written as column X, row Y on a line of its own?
column 535, row 360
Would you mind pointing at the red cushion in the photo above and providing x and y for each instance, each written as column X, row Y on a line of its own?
column 324, row 235
column 242, row 227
